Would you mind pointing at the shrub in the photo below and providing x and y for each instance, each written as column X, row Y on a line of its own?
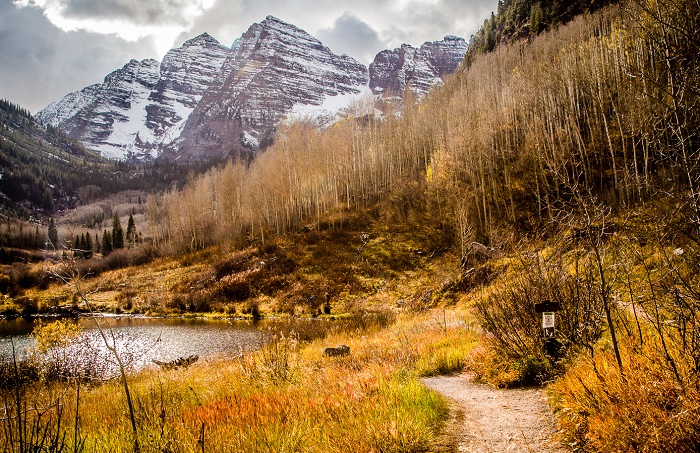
column 17, row 373
column 647, row 411
column 54, row 334
column 118, row 259
column 515, row 329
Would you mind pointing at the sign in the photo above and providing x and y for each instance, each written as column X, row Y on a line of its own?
column 548, row 320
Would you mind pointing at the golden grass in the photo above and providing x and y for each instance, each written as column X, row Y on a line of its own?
column 288, row 397
column 648, row 409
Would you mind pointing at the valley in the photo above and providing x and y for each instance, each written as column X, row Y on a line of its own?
column 554, row 160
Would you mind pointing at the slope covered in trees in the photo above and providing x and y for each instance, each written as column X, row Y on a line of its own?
column 519, row 19
column 583, row 139
column 604, row 107
column 39, row 166
column 42, row 169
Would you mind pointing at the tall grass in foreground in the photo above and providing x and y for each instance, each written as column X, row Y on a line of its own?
column 648, row 411
column 288, row 398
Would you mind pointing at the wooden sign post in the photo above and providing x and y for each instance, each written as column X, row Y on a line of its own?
column 548, row 310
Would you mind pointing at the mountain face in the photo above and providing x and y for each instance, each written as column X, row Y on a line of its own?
column 140, row 108
column 205, row 100
column 418, row 70
column 273, row 67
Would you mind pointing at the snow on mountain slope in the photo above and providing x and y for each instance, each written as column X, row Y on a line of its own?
column 334, row 107
column 141, row 107
column 274, row 66
column 205, row 100
column 418, row 70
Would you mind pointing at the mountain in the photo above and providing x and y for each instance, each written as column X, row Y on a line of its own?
column 140, row 108
column 418, row 70
column 207, row 101
column 273, row 67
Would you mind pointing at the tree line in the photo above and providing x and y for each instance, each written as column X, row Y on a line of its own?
column 603, row 108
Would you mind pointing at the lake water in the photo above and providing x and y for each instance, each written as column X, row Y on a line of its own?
column 142, row 340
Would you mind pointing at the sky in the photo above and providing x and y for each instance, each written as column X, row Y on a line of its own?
column 49, row 48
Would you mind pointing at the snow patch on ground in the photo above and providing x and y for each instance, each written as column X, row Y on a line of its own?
column 249, row 140
column 333, row 108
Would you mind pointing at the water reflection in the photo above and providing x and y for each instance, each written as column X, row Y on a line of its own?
column 142, row 340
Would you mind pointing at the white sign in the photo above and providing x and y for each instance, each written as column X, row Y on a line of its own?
column 548, row 320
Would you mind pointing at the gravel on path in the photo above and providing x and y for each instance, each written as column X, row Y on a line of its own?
column 498, row 420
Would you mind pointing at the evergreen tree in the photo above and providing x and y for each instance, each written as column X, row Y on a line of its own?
column 117, row 232
column 53, row 234
column 106, row 243
column 98, row 245
column 88, row 246
column 78, row 246
column 131, row 231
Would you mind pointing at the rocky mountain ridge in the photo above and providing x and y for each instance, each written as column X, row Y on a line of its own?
column 205, row 100
column 416, row 70
column 273, row 67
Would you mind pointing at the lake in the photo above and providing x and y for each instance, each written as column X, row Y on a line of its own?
column 140, row 340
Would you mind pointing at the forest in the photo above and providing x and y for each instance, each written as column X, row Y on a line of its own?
column 601, row 111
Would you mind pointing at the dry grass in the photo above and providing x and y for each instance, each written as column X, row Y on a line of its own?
column 647, row 410
column 287, row 397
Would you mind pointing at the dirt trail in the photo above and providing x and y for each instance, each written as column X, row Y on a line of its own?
column 493, row 420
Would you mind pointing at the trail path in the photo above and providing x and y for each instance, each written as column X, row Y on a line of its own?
column 494, row 420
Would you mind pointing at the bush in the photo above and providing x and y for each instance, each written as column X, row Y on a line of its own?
column 17, row 374
column 647, row 411
column 118, row 259
column 515, row 329
column 253, row 309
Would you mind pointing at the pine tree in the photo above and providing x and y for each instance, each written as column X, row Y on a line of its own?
column 117, row 232
column 131, row 232
column 53, row 234
column 88, row 246
column 106, row 243
column 79, row 246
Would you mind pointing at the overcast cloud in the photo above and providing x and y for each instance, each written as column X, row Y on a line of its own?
column 49, row 48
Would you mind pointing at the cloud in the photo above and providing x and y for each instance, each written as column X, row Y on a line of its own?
column 350, row 35
column 135, row 11
column 225, row 20
column 40, row 63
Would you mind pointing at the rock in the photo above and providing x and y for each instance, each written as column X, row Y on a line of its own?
column 205, row 100
column 141, row 108
column 273, row 67
column 341, row 350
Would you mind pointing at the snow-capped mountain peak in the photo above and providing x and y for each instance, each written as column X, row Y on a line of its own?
column 207, row 100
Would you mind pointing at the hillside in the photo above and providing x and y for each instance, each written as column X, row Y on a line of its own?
column 44, row 172
column 560, row 168
column 520, row 19
column 41, row 168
